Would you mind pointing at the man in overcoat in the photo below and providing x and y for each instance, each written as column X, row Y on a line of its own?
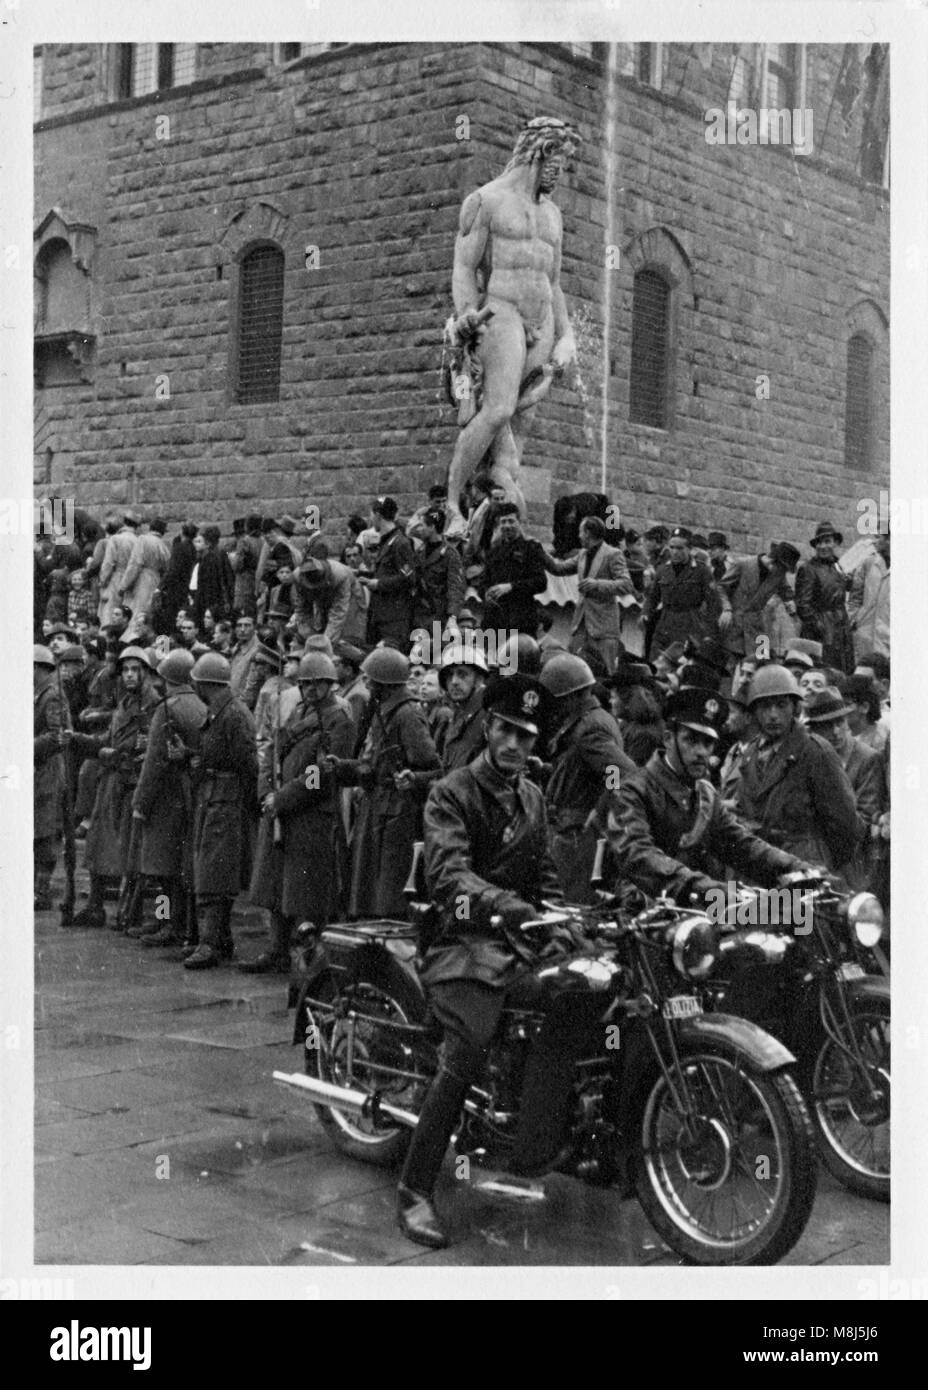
column 298, row 876
column 793, row 791
column 226, row 774
column 111, row 852
column 821, row 600
column 163, row 799
column 682, row 601
column 394, row 768
column 48, row 718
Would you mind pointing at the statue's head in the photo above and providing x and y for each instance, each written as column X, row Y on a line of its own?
column 550, row 142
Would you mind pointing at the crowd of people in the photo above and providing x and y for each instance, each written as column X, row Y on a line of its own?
column 267, row 713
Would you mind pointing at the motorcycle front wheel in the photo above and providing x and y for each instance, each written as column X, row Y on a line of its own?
column 734, row 1182
column 356, row 1059
column 850, row 1106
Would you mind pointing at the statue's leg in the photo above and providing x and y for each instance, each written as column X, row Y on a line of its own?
column 510, row 441
column 502, row 355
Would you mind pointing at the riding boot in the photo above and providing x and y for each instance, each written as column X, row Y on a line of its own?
column 437, row 1119
column 93, row 913
column 207, row 954
column 276, row 959
column 169, row 932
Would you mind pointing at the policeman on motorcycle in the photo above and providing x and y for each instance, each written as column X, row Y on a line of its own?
column 668, row 828
column 487, row 867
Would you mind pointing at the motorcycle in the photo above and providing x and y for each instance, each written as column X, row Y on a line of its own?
column 815, row 985
column 696, row 1113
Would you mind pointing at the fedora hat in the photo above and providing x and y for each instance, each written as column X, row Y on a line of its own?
column 824, row 705
column 823, row 529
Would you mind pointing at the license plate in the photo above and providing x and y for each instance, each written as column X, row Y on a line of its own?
column 681, row 1006
column 850, row 970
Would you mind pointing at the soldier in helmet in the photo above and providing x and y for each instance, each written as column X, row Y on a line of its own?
column 462, row 676
column 297, row 877
column 48, row 720
column 488, row 870
column 587, row 760
column 111, row 853
column 793, row 788
column 669, row 830
column 163, row 800
column 395, row 767
column 226, row 774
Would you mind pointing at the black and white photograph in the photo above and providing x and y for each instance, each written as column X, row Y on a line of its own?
column 460, row 522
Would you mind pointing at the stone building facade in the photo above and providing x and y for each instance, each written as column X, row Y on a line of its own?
column 730, row 299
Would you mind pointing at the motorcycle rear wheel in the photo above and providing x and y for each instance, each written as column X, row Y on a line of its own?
column 738, row 1189
column 360, row 1136
column 853, row 1124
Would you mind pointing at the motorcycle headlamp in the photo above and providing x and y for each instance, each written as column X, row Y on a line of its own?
column 865, row 918
column 695, row 945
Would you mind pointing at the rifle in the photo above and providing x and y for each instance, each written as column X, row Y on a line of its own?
column 67, row 811
column 173, row 735
column 278, row 831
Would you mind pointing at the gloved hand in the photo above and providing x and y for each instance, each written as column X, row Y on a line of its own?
column 514, row 911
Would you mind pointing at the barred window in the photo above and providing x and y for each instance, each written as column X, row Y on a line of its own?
column 650, row 374
column 645, row 61
column 260, row 326
column 780, row 86
column 141, row 68
column 37, row 83
column 858, row 407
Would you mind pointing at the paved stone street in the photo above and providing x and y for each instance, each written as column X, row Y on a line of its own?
column 144, row 1069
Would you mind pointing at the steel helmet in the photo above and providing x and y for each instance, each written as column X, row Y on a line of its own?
column 74, row 656
column 212, row 669
column 521, row 653
column 386, row 666
column 134, row 654
column 41, row 656
column 461, row 653
column 770, row 681
column 176, row 666
column 564, row 674
column 316, row 666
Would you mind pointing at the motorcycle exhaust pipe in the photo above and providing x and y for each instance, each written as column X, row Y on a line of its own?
column 343, row 1098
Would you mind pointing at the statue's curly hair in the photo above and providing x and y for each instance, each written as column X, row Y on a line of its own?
column 539, row 137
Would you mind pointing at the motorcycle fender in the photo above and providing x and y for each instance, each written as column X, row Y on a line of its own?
column 739, row 1037
column 869, row 988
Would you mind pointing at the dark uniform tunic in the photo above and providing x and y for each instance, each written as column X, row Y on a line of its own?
column 110, row 850
column 47, row 770
column 164, row 794
column 669, row 836
column 388, row 819
column 587, row 758
column 800, row 798
column 390, row 612
column 521, row 563
column 226, row 800
column 301, row 875
column 486, row 853
column 461, row 738
column 681, row 603
column 821, row 590
column 440, row 585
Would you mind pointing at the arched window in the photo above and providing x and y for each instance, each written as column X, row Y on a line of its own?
column 859, row 402
column 651, row 368
column 260, row 325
